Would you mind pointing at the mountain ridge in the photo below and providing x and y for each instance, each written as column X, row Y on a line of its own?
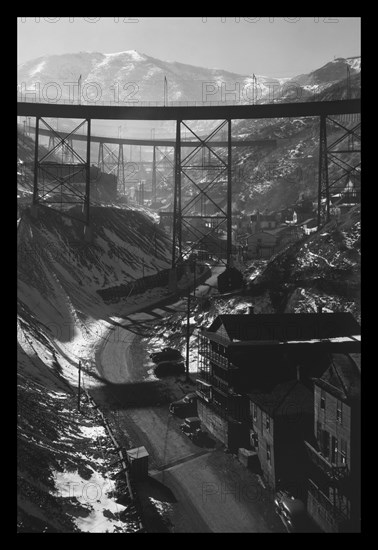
column 185, row 81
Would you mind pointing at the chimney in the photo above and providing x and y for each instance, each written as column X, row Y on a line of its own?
column 251, row 310
column 319, row 308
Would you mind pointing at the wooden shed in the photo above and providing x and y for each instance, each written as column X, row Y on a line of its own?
column 138, row 460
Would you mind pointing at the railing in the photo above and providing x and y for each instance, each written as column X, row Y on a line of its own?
column 204, row 375
column 335, row 472
column 218, row 409
column 336, row 513
column 23, row 98
column 220, row 360
column 136, row 103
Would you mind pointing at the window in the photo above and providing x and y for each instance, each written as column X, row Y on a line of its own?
column 254, row 438
column 343, row 451
column 339, row 412
column 322, row 400
column 334, row 450
column 325, row 443
column 268, row 453
column 267, row 423
column 318, row 431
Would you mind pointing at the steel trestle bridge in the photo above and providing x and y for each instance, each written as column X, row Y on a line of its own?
column 193, row 191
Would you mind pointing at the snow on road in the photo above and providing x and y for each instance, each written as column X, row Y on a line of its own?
column 115, row 361
column 198, row 483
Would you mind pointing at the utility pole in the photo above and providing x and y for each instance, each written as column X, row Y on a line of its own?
column 195, row 277
column 165, row 91
column 187, row 338
column 79, row 91
column 79, row 390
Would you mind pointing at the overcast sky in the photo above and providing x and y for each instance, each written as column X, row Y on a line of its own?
column 267, row 46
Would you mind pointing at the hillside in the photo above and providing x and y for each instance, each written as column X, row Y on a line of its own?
column 60, row 315
column 321, row 269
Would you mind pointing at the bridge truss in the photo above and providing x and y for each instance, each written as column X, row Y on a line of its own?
column 344, row 153
column 111, row 161
column 56, row 184
column 202, row 195
column 193, row 192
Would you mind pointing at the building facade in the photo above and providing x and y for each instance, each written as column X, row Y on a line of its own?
column 261, row 221
column 261, row 245
column 240, row 354
column 280, row 420
column 334, row 451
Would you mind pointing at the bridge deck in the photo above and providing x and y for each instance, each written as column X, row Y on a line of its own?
column 223, row 112
column 157, row 142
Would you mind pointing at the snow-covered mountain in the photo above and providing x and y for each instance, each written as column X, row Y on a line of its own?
column 329, row 74
column 133, row 76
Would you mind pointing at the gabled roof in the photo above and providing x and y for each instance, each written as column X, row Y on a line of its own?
column 286, row 399
column 285, row 327
column 343, row 377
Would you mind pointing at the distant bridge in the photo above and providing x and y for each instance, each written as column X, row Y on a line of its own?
column 154, row 142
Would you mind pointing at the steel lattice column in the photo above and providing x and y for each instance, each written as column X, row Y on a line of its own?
column 62, row 184
column 345, row 144
column 121, row 169
column 323, row 183
column 176, row 215
column 164, row 167
column 203, row 196
column 36, row 163
column 229, row 197
column 111, row 161
column 154, row 174
column 88, row 174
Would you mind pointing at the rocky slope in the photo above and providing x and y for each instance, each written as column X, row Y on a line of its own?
column 321, row 269
column 64, row 469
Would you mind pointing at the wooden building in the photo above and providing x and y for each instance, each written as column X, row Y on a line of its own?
column 261, row 245
column 262, row 220
column 281, row 418
column 334, row 492
column 239, row 354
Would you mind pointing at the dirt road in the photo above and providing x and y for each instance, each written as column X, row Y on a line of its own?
column 190, row 488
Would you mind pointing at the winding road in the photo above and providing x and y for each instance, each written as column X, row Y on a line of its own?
column 197, row 489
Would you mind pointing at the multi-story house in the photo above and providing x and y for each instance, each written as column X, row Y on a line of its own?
column 242, row 353
column 263, row 220
column 280, row 421
column 335, row 453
